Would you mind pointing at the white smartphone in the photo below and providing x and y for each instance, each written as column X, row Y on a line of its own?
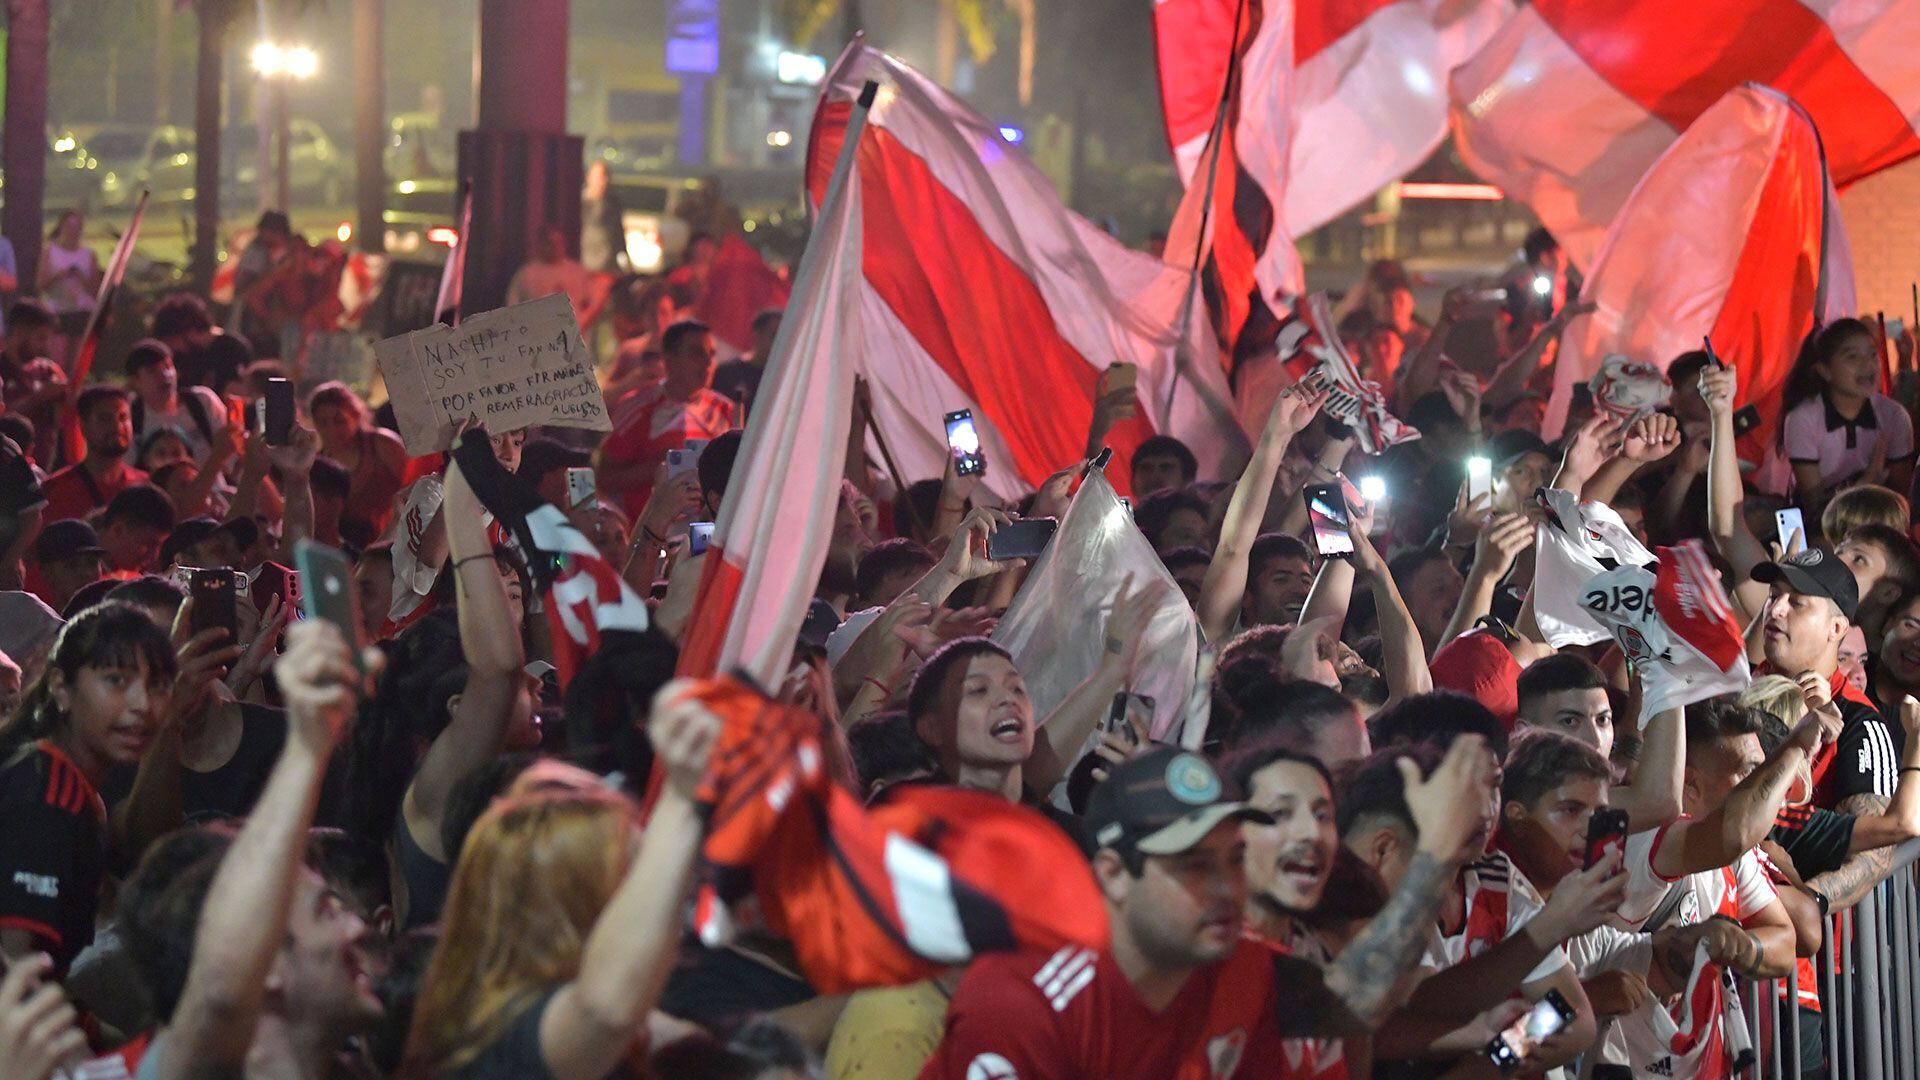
column 1786, row 523
column 579, row 487
column 1479, row 478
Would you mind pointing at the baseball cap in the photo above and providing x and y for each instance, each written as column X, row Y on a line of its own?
column 1163, row 803
column 144, row 352
column 1513, row 444
column 1814, row 572
column 1479, row 665
column 65, row 539
column 196, row 530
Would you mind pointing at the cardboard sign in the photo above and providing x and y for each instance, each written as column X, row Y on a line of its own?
column 508, row 369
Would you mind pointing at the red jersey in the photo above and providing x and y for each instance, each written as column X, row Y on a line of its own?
column 73, row 492
column 1075, row 1016
column 1310, row 1059
column 647, row 424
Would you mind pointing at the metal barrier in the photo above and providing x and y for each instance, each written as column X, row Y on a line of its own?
column 1868, row 994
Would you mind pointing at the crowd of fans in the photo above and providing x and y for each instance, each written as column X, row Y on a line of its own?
column 279, row 849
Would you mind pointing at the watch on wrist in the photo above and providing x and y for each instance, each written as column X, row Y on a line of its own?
column 1822, row 899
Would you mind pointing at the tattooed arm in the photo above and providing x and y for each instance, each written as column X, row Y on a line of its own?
column 1853, row 879
column 1366, row 973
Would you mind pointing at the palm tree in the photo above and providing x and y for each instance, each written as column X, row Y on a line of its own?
column 215, row 18
column 24, row 158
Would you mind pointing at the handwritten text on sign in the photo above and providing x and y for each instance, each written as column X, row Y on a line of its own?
column 511, row 368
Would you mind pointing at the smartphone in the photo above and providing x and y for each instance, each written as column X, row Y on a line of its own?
column 272, row 580
column 1118, row 377
column 1327, row 513
column 1548, row 1015
column 1127, row 710
column 1479, row 478
column 329, row 592
column 681, row 461
column 1746, row 419
column 580, row 485
column 1373, row 489
column 1713, row 358
column 1022, row 539
column 699, row 537
column 1786, row 522
column 1606, row 831
column 211, row 593
column 1488, row 296
column 279, row 412
column 963, row 442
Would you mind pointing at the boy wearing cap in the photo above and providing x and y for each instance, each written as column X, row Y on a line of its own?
column 1811, row 602
column 67, row 557
column 1180, row 990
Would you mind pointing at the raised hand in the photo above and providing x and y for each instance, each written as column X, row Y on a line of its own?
column 1651, row 438
column 1717, row 387
column 1596, row 443
column 966, row 554
column 296, row 457
column 1463, row 390
column 39, row 1029
column 1469, row 516
column 1446, row 805
column 1822, row 712
column 1053, row 495
column 1501, row 542
column 683, row 732
column 319, row 683
column 1294, row 409
column 1584, row 899
column 1131, row 615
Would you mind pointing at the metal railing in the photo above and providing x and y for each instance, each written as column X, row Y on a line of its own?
column 1868, row 993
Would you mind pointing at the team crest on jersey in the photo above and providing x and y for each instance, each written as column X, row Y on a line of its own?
column 991, row 1067
column 1224, row 1051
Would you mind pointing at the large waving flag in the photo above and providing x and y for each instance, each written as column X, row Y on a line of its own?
column 1734, row 232
column 72, row 446
column 1573, row 100
column 925, row 881
column 740, row 285
column 774, row 525
column 980, row 290
column 1368, row 98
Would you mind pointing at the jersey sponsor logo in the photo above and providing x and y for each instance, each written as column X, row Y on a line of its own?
column 45, row 886
column 991, row 1067
column 1224, row 1051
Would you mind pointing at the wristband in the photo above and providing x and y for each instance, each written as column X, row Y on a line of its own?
column 1821, row 899
column 1910, row 768
column 458, row 563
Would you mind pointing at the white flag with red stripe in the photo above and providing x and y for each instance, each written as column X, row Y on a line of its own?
column 771, row 535
column 1734, row 233
column 1573, row 100
column 1368, row 95
column 980, row 290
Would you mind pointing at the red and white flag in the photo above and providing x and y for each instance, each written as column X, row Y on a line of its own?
column 980, row 290
column 771, row 535
column 1573, row 100
column 740, row 285
column 1368, row 96
column 1734, row 232
column 72, row 445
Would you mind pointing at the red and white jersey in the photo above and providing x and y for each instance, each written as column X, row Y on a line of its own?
column 1498, row 900
column 647, row 424
column 1691, row 1038
column 1309, row 1059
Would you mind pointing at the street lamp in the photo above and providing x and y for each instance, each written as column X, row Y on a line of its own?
column 277, row 64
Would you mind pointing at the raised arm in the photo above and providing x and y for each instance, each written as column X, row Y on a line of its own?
column 1901, row 821
column 295, row 464
column 244, row 921
column 1653, row 798
column 1648, row 440
column 1726, row 496
column 1402, row 652
column 1742, row 820
column 490, row 639
column 1066, row 729
column 1500, row 542
column 1226, row 582
column 1510, row 381
column 590, row 1023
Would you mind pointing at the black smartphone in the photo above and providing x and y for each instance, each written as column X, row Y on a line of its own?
column 279, row 412
column 1022, row 539
column 1712, row 357
column 1746, row 419
column 1327, row 513
column 963, row 442
column 1547, row 1017
column 329, row 592
column 1606, row 831
column 211, row 594
column 1125, row 710
column 699, row 537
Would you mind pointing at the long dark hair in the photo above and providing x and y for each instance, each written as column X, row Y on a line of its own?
column 425, row 667
column 1805, row 382
column 113, row 635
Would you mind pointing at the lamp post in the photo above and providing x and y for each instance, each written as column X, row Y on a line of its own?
column 278, row 65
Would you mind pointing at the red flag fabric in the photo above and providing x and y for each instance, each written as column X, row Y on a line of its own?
column 873, row 897
column 1733, row 232
column 980, row 290
column 1368, row 96
column 740, row 285
column 1573, row 100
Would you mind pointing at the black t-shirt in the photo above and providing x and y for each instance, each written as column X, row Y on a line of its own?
column 1864, row 760
column 737, row 379
column 515, row 1055
column 216, row 365
column 19, row 488
column 53, row 851
column 710, row 986
column 230, row 790
column 427, row 878
column 1816, row 840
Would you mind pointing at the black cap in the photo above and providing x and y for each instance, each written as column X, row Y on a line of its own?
column 1513, row 444
column 196, row 530
column 1814, row 572
column 146, row 351
column 1162, row 803
column 540, row 456
column 65, row 539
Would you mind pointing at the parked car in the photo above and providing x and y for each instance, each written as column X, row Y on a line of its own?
column 316, row 168
column 422, row 218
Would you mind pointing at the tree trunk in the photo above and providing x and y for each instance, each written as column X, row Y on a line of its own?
column 25, row 158
column 163, row 61
column 210, row 64
column 369, row 123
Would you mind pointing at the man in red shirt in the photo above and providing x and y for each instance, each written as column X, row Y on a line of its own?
column 106, row 422
column 655, row 419
column 1180, row 992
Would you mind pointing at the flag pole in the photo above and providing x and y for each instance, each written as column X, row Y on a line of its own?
column 446, row 302
column 69, row 443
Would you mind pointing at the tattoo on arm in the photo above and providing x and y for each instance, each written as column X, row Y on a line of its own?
column 1365, row 972
column 1857, row 876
